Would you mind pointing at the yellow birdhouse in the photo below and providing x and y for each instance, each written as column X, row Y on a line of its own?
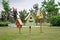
column 40, row 14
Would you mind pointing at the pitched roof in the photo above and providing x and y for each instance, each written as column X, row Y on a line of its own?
column 29, row 15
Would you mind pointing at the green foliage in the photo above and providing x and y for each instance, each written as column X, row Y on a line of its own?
column 6, row 7
column 50, row 6
column 59, row 3
column 22, row 15
column 35, row 6
column 55, row 20
column 4, row 23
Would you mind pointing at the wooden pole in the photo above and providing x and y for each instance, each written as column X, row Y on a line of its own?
column 40, row 25
column 30, row 29
column 20, row 29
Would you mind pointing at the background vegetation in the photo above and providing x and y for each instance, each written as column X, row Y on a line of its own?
column 49, row 8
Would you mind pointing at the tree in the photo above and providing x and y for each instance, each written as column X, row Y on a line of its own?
column 59, row 3
column 15, row 13
column 35, row 6
column 34, row 10
column 3, row 15
column 23, row 15
column 31, row 10
column 6, row 7
column 50, row 7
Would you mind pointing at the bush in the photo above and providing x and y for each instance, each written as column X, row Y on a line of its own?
column 4, row 23
column 55, row 20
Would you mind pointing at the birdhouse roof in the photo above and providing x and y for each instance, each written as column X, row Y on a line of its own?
column 29, row 15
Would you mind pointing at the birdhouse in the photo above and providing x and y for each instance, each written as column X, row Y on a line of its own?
column 30, row 19
column 40, row 14
column 19, row 23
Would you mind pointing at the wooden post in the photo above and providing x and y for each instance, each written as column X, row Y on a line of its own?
column 19, row 29
column 40, row 25
column 30, row 29
column 40, row 17
column 19, row 25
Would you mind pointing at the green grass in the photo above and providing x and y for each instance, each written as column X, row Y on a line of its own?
column 11, row 33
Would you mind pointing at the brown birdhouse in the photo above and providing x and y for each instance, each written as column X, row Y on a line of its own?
column 19, row 23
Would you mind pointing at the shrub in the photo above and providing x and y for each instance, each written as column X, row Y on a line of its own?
column 55, row 20
column 4, row 23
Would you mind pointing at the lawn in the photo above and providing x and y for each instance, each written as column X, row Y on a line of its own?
column 11, row 33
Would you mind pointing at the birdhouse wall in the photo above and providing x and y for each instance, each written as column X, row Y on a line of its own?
column 30, row 21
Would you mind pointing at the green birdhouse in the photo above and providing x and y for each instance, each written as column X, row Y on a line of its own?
column 30, row 19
